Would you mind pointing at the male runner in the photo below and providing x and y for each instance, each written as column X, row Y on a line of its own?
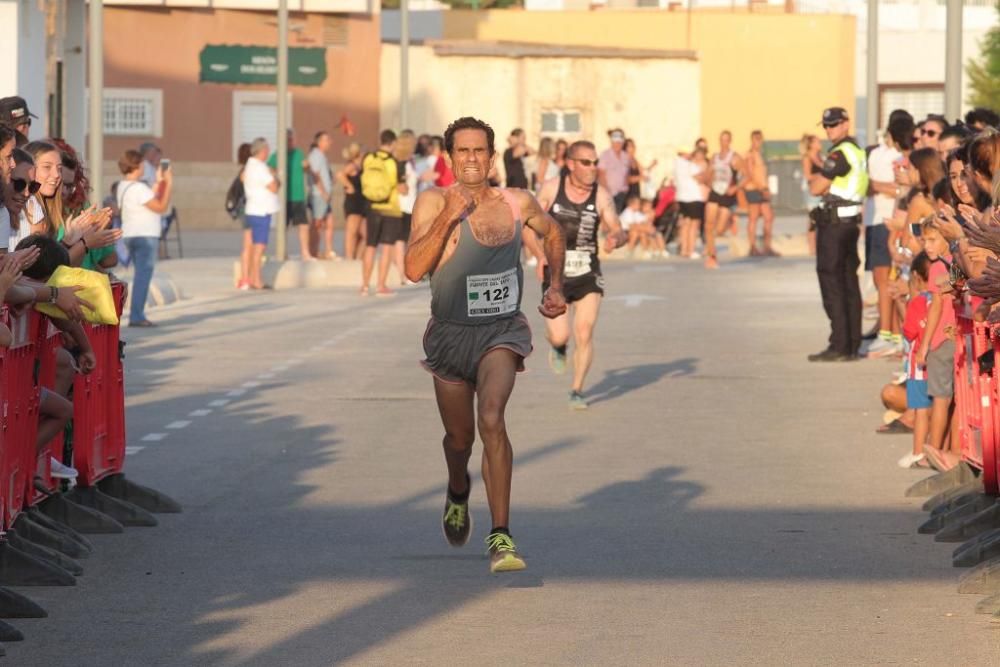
column 580, row 205
column 755, row 187
column 722, row 197
column 468, row 237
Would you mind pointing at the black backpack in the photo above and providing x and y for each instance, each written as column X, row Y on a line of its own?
column 236, row 199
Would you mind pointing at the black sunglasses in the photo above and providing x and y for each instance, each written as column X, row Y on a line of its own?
column 585, row 163
column 20, row 184
column 929, row 133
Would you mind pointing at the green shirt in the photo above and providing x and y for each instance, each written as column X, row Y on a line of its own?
column 92, row 258
column 296, row 181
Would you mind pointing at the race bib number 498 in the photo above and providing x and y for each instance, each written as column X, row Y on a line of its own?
column 492, row 294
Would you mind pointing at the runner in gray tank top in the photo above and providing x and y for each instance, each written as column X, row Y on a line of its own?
column 468, row 238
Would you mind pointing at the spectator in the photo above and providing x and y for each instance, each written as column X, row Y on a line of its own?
column 141, row 208
column 355, row 204
column 811, row 149
column 637, row 174
column 261, row 187
column 442, row 165
column 6, row 167
column 914, row 329
column 404, row 153
column 560, row 158
column 295, row 194
column 546, row 167
column 99, row 254
column 952, row 137
column 321, row 192
column 614, row 165
column 878, row 259
column 513, row 159
column 151, row 158
column 381, row 186
column 237, row 206
column 14, row 114
column 980, row 118
column 689, row 175
column 17, row 196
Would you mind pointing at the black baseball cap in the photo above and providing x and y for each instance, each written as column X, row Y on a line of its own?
column 834, row 116
column 14, row 111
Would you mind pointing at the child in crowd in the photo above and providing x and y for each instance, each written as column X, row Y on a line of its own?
column 637, row 222
column 914, row 330
column 937, row 349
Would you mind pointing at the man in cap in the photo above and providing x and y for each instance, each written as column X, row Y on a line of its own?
column 15, row 115
column 843, row 183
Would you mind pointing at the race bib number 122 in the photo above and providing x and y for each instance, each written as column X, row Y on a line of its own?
column 492, row 294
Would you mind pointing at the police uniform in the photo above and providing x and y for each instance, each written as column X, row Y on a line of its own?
column 837, row 233
column 580, row 223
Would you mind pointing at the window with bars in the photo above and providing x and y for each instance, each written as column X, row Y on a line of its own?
column 559, row 121
column 133, row 112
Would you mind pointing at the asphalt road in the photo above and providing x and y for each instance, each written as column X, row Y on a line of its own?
column 723, row 502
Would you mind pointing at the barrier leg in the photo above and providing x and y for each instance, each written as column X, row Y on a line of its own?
column 15, row 605
column 79, row 518
column 954, row 503
column 942, row 481
column 954, row 493
column 984, row 578
column 19, row 569
column 33, row 532
column 44, row 553
column 971, row 526
column 977, row 550
column 974, row 503
column 8, row 633
column 41, row 519
column 125, row 513
column 990, row 605
column 149, row 499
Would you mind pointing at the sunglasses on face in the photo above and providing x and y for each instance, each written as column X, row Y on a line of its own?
column 21, row 184
column 929, row 133
column 585, row 163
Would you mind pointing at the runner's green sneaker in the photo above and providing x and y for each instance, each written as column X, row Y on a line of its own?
column 557, row 360
column 457, row 522
column 576, row 401
column 503, row 554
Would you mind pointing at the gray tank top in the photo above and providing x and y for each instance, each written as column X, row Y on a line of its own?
column 480, row 284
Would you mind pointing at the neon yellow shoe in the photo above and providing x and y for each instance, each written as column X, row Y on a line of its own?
column 503, row 554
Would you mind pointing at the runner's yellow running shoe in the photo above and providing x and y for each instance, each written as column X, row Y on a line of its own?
column 503, row 554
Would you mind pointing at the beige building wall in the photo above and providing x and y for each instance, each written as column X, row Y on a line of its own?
column 768, row 71
column 655, row 98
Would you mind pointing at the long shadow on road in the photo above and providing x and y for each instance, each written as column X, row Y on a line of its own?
column 621, row 381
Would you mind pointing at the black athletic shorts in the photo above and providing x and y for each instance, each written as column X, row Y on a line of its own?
column 295, row 213
column 726, row 201
column 693, row 209
column 382, row 229
column 575, row 289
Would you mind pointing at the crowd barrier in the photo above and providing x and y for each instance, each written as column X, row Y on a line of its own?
column 977, row 398
column 42, row 519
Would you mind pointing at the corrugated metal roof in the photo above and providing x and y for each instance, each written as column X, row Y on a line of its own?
column 463, row 47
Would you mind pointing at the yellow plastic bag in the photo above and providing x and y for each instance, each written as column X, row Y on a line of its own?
column 96, row 291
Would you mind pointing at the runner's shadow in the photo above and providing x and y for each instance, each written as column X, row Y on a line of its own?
column 621, row 381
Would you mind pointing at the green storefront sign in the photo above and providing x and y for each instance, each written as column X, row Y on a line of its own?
column 259, row 64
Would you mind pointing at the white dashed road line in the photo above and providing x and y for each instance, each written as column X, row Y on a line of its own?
column 181, row 423
column 153, row 437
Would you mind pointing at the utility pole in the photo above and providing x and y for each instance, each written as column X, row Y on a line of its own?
column 871, row 76
column 404, row 64
column 282, row 137
column 953, row 61
column 95, row 61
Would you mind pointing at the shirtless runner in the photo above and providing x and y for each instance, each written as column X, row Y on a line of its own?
column 468, row 238
column 581, row 207
column 755, row 187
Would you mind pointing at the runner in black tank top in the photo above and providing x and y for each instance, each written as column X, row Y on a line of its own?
column 583, row 284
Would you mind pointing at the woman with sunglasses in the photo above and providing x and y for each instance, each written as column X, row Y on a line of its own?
column 18, row 195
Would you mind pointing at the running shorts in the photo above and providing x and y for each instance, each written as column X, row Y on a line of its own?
column 576, row 288
column 455, row 350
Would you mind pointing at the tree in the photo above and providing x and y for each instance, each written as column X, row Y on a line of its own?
column 984, row 73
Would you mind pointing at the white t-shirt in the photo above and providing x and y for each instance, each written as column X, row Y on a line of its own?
column 880, row 162
column 631, row 216
column 688, row 187
column 5, row 229
column 260, row 200
column 407, row 201
column 319, row 164
column 137, row 219
column 10, row 237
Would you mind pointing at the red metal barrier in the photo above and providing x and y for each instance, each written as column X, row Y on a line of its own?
column 19, row 402
column 99, row 405
column 49, row 342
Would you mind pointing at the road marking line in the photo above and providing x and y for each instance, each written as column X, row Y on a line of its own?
column 154, row 437
column 199, row 413
column 250, row 385
column 181, row 423
column 134, row 450
column 279, row 369
column 265, row 376
column 222, row 402
column 236, row 392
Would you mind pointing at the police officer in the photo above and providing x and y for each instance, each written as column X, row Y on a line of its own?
column 844, row 184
